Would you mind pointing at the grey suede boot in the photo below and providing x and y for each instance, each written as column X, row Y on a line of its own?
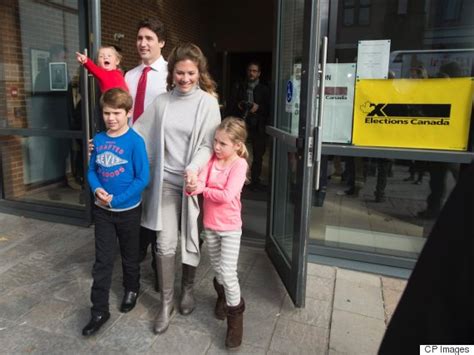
column 186, row 303
column 166, row 271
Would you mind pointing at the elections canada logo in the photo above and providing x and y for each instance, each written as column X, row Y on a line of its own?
column 406, row 114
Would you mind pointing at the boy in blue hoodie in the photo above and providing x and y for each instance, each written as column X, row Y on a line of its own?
column 118, row 173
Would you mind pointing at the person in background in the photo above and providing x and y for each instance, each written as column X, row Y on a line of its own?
column 107, row 72
column 221, row 183
column 250, row 100
column 178, row 129
column 118, row 173
column 439, row 170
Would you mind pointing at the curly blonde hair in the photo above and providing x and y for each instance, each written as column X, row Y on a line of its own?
column 190, row 51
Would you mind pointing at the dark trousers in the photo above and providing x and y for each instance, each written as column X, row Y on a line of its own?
column 438, row 174
column 383, row 168
column 147, row 237
column 258, row 139
column 110, row 227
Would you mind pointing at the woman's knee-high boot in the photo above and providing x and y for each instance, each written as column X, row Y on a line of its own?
column 235, row 325
column 166, row 274
column 187, row 303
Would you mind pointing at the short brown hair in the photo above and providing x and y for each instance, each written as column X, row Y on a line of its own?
column 116, row 98
column 155, row 25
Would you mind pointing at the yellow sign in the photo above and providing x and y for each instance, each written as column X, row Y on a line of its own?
column 413, row 113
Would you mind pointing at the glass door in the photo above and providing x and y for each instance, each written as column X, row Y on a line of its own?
column 42, row 110
column 380, row 194
column 292, row 132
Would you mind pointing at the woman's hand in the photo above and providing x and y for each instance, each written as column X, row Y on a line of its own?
column 191, row 179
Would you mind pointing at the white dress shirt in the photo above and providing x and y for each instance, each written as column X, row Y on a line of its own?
column 156, row 80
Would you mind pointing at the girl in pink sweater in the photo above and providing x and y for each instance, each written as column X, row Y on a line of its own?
column 221, row 183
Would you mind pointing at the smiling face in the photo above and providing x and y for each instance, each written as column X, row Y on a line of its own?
column 108, row 59
column 185, row 75
column 148, row 45
column 224, row 148
column 115, row 119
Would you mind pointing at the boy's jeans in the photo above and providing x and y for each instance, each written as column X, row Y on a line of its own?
column 110, row 227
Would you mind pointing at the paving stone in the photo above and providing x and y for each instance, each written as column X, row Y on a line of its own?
column 16, row 303
column 394, row 284
column 64, row 318
column 179, row 340
column 355, row 334
column 46, row 273
column 22, row 339
column 358, row 298
column 258, row 328
column 319, row 288
column 129, row 335
column 296, row 338
column 328, row 272
column 358, row 277
column 202, row 318
column 218, row 347
column 12, row 256
column 316, row 312
column 391, row 299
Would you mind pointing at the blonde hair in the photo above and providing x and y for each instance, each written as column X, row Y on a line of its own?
column 116, row 52
column 235, row 128
column 189, row 51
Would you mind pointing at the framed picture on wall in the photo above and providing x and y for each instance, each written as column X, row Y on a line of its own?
column 39, row 63
column 58, row 76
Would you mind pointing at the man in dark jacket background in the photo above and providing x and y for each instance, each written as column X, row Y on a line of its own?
column 250, row 100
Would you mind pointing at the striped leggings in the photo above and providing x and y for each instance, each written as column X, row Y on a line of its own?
column 223, row 248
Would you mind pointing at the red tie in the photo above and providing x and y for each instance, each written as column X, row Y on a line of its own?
column 139, row 103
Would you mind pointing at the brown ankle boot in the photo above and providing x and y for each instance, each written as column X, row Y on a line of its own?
column 220, row 309
column 235, row 325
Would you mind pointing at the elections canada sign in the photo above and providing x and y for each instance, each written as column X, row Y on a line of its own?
column 413, row 113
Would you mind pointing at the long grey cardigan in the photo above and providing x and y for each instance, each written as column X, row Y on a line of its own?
column 150, row 127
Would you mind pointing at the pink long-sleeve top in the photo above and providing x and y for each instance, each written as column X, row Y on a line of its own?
column 221, row 188
column 108, row 79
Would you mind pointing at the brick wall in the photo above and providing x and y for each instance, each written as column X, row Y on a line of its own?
column 11, row 76
column 123, row 17
column 214, row 25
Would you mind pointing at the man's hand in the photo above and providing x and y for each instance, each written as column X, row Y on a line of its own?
column 254, row 108
column 91, row 147
column 103, row 196
column 81, row 58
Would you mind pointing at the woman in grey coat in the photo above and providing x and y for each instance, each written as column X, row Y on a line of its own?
column 178, row 128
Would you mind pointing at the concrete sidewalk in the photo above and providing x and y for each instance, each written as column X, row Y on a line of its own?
column 45, row 279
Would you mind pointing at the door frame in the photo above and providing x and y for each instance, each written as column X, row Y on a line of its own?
column 293, row 274
column 75, row 216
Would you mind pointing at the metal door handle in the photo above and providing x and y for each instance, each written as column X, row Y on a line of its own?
column 318, row 130
column 85, row 97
